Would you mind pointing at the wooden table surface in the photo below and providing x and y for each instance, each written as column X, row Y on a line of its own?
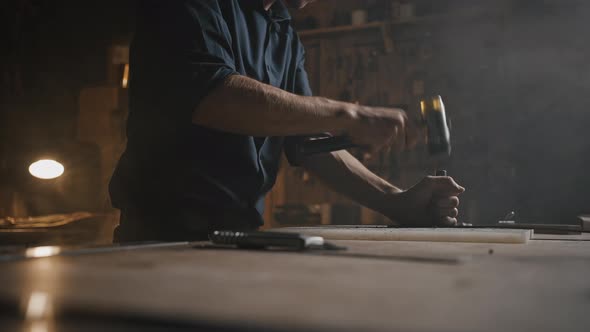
column 374, row 285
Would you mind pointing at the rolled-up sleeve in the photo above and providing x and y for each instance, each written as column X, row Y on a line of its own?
column 301, row 81
column 183, row 50
column 301, row 88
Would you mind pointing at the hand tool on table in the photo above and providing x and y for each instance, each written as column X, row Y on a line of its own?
column 269, row 240
column 433, row 117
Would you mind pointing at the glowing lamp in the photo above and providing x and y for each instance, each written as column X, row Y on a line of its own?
column 46, row 169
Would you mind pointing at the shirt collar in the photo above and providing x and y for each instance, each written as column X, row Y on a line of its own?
column 278, row 11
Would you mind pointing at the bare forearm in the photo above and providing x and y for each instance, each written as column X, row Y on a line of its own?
column 245, row 106
column 345, row 174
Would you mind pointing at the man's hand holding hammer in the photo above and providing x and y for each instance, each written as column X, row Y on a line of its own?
column 379, row 127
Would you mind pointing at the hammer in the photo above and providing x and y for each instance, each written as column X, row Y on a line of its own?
column 433, row 117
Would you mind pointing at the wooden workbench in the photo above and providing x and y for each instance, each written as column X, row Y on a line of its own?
column 374, row 285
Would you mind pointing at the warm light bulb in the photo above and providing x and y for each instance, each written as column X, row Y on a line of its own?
column 125, row 81
column 46, row 169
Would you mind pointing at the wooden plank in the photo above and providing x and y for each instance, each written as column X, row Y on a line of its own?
column 561, row 237
column 479, row 235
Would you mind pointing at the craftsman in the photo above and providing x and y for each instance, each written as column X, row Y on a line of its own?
column 217, row 89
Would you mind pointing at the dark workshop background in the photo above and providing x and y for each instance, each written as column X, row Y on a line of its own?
column 515, row 77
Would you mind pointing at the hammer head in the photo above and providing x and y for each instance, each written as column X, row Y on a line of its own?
column 438, row 133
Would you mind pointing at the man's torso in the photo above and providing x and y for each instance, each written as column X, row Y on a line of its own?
column 168, row 158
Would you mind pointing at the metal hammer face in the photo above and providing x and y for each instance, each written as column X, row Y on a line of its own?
column 435, row 118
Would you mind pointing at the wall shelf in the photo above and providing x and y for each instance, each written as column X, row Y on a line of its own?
column 341, row 29
column 384, row 28
column 430, row 19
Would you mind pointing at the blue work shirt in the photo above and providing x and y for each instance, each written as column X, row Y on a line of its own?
column 182, row 49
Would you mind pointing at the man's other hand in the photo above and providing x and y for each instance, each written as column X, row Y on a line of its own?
column 432, row 202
